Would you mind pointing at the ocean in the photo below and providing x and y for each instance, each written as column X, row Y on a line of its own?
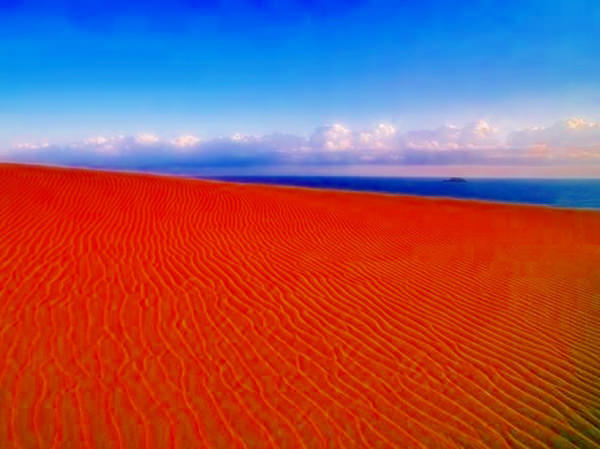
column 569, row 193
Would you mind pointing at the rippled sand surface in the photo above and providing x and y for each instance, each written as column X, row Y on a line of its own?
column 149, row 312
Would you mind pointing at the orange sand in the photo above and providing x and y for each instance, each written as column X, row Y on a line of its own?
column 148, row 312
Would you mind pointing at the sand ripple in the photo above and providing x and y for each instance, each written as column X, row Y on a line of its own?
column 148, row 312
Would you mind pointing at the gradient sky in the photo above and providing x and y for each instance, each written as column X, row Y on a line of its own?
column 73, row 70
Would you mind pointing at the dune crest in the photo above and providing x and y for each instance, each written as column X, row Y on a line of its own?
column 148, row 312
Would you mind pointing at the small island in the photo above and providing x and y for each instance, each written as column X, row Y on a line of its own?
column 455, row 180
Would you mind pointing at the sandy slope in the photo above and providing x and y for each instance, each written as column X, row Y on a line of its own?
column 148, row 312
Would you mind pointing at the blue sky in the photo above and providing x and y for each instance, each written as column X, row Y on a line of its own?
column 73, row 70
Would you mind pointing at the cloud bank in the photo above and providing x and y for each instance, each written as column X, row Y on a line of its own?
column 571, row 141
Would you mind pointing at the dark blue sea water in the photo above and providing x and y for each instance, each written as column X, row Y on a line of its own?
column 571, row 193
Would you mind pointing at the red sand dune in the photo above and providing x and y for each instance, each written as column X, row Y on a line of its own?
column 148, row 312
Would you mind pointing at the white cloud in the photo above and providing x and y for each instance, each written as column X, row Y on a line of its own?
column 473, row 136
column 573, row 133
column 237, row 137
column 97, row 140
column 146, row 138
column 580, row 123
column 383, row 137
column 475, row 143
column 335, row 137
column 186, row 141
column 32, row 145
